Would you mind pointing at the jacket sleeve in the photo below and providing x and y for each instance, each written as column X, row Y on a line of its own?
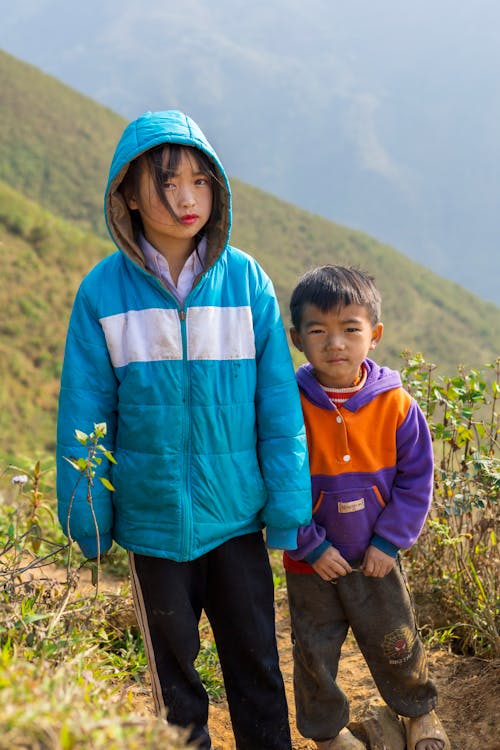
column 88, row 396
column 282, row 445
column 402, row 520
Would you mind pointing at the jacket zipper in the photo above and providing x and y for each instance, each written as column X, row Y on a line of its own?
column 186, row 506
column 186, row 503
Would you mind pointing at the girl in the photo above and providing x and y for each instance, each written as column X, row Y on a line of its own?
column 176, row 342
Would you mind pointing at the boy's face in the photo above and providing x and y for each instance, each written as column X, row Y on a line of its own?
column 336, row 342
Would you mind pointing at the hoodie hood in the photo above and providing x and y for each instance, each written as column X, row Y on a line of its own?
column 379, row 380
column 149, row 130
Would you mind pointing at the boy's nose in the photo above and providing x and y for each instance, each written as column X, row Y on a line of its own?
column 335, row 342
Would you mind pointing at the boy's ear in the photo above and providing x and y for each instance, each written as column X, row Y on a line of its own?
column 377, row 332
column 295, row 338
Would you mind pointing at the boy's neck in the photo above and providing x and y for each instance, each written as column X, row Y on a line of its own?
column 358, row 378
column 339, row 395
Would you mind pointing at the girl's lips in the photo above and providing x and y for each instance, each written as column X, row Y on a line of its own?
column 189, row 218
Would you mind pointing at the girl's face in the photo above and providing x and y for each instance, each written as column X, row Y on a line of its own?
column 187, row 191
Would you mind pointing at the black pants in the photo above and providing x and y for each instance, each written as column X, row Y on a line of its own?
column 233, row 584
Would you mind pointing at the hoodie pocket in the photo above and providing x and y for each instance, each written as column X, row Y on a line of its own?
column 348, row 516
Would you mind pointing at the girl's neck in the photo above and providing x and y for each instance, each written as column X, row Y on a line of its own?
column 176, row 262
column 175, row 253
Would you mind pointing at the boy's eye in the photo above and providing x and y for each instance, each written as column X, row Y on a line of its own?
column 352, row 330
column 316, row 330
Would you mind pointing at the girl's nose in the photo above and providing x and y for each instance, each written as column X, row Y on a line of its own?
column 187, row 197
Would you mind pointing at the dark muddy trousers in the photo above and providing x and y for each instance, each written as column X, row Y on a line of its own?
column 380, row 614
column 233, row 584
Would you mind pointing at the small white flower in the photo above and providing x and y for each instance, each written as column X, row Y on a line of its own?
column 19, row 479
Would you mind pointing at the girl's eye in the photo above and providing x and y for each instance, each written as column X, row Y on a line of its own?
column 168, row 185
column 202, row 181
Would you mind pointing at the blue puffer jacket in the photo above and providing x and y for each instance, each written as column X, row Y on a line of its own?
column 200, row 401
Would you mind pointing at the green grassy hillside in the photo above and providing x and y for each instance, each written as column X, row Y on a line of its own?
column 42, row 260
column 55, row 144
column 55, row 147
column 421, row 311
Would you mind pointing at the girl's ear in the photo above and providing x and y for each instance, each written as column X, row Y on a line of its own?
column 377, row 332
column 129, row 187
column 294, row 335
column 130, row 200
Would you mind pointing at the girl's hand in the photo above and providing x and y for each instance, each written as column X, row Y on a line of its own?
column 331, row 565
column 377, row 564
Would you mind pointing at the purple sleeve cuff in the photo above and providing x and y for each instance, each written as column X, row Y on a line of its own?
column 309, row 538
column 315, row 554
column 384, row 546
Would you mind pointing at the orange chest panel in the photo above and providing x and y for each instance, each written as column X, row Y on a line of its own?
column 364, row 441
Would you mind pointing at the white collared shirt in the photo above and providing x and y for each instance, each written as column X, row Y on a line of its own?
column 157, row 264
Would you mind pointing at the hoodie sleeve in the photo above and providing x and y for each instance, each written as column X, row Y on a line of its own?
column 282, row 445
column 87, row 397
column 402, row 520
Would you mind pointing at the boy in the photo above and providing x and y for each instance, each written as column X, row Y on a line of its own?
column 371, row 464
column 176, row 342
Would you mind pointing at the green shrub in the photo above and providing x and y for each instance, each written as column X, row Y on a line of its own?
column 455, row 563
column 78, row 656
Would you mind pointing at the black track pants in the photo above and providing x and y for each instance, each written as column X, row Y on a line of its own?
column 233, row 584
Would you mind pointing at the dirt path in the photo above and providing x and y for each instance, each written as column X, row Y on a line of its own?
column 469, row 691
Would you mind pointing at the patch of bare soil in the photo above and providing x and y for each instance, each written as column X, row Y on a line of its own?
column 469, row 694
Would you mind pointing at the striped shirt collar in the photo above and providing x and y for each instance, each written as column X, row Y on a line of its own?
column 338, row 396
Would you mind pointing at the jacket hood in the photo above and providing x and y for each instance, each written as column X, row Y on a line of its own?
column 379, row 380
column 149, row 130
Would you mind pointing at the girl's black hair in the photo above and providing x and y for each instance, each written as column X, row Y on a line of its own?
column 333, row 287
column 154, row 161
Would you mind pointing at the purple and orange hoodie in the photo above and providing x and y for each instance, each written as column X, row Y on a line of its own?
column 371, row 464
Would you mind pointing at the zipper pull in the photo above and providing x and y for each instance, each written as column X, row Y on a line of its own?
column 182, row 315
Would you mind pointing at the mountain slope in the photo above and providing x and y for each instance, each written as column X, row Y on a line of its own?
column 421, row 311
column 46, row 247
column 42, row 259
column 55, row 144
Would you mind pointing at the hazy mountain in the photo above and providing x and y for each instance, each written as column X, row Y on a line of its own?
column 382, row 116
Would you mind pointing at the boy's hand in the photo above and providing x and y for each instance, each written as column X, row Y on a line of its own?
column 377, row 564
column 331, row 565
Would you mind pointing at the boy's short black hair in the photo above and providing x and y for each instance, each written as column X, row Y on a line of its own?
column 333, row 287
